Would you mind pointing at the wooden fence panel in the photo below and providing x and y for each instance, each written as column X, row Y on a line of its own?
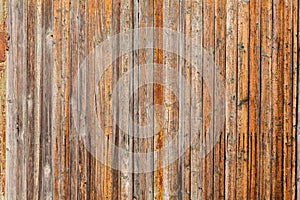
column 155, row 74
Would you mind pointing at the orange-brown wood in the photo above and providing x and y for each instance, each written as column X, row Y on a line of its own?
column 231, row 100
column 265, row 139
column 253, row 43
column 277, row 103
column 158, row 98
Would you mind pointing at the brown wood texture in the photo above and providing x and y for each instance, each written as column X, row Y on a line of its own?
column 255, row 45
column 3, row 48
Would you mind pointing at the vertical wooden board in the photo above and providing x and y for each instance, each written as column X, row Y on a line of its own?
column 3, row 47
column 57, row 91
column 21, row 173
column 138, row 103
column 117, row 133
column 65, row 98
column 21, row 101
column 208, row 95
column 143, row 182
column 82, row 152
column 185, row 69
column 100, row 152
column 196, row 104
column 277, row 100
column 44, row 62
column 242, row 100
column 90, row 54
column 254, row 98
column 106, row 30
column 288, row 100
column 231, row 100
column 266, row 101
column 11, row 153
column 125, row 65
column 220, row 58
column 158, row 7
column 33, row 106
column 295, row 93
column 170, row 103
column 74, row 65
column 19, row 128
column 98, row 39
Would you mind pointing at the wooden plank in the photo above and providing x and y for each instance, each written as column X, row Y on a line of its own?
column 103, row 31
column 254, row 98
column 114, row 76
column 158, row 7
column 57, row 63
column 231, row 100
column 208, row 98
column 21, row 109
column 196, row 103
column 65, row 99
column 73, row 136
column 295, row 81
column 242, row 100
column 11, row 154
column 44, row 63
column 106, row 30
column 277, row 103
column 98, row 39
column 170, row 105
column 288, row 138
column 125, row 140
column 143, row 182
column 220, row 61
column 82, row 152
column 3, row 48
column 33, row 107
column 138, row 110
column 266, row 101
column 185, row 70
column 90, row 53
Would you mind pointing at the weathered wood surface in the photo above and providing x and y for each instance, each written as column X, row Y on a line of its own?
column 254, row 43
column 3, row 48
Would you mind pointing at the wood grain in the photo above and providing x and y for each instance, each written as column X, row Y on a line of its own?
column 253, row 43
column 3, row 48
column 231, row 100
column 254, row 98
column 266, row 101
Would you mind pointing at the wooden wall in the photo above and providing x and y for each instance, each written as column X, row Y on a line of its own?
column 255, row 45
